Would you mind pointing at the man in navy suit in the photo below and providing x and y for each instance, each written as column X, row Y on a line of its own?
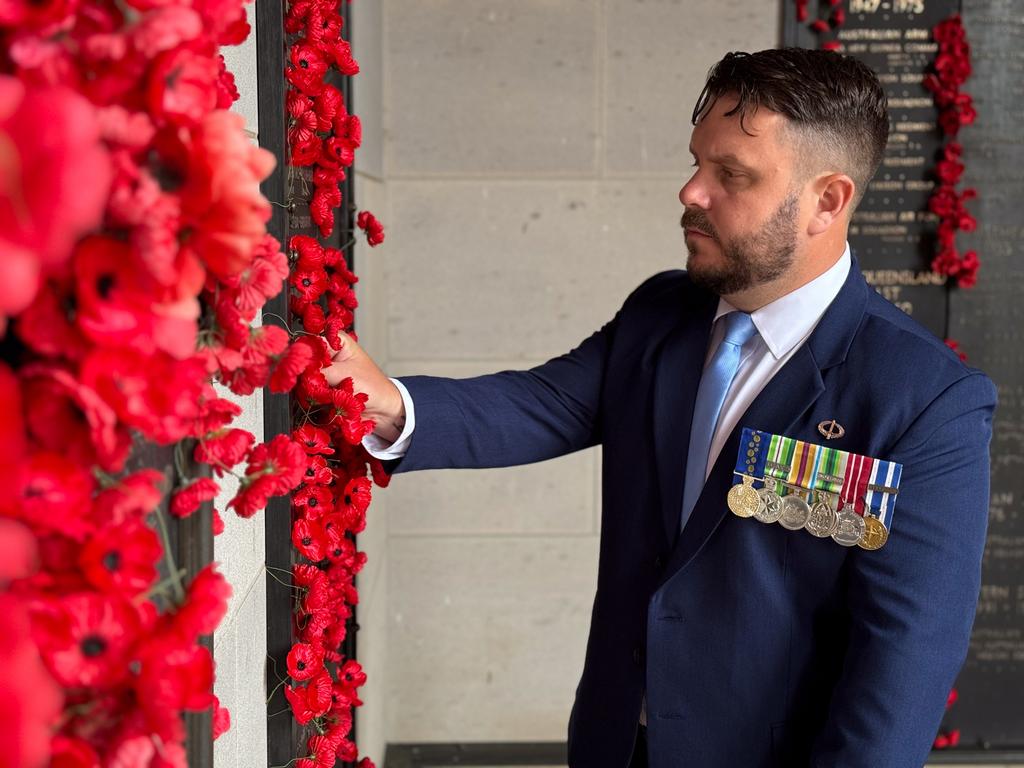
column 716, row 641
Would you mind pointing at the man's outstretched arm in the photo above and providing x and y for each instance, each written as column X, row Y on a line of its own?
column 501, row 419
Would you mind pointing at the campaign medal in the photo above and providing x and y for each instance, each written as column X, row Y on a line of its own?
column 826, row 480
column 875, row 534
column 851, row 526
column 770, row 509
column 794, row 512
column 743, row 499
column 823, row 519
column 879, row 500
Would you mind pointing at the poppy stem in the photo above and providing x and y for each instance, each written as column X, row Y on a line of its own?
column 172, row 568
column 276, row 687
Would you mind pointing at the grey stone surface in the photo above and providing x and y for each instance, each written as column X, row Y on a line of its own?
column 657, row 57
column 487, row 635
column 241, row 62
column 520, row 270
column 240, row 648
column 483, row 86
column 366, row 36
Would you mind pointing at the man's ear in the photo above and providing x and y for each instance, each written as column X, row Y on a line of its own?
column 834, row 198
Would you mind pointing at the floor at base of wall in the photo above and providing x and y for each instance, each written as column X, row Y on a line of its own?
column 552, row 754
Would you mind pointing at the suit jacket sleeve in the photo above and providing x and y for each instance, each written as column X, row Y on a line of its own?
column 514, row 417
column 912, row 603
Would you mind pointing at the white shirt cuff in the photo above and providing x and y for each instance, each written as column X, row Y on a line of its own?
column 380, row 448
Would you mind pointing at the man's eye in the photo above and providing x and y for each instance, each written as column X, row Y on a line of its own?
column 729, row 174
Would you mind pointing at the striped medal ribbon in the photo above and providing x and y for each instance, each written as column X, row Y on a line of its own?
column 880, row 500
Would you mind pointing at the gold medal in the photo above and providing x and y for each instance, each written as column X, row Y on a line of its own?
column 875, row 534
column 743, row 500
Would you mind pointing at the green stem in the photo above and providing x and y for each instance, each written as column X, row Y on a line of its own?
column 172, row 568
column 276, row 688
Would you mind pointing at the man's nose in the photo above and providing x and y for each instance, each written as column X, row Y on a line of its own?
column 693, row 194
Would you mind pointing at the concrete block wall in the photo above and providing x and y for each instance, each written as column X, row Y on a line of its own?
column 527, row 172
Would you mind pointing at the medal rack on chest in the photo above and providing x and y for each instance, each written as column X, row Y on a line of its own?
column 825, row 491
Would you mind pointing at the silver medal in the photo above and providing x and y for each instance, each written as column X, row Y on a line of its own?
column 823, row 520
column 794, row 512
column 850, row 528
column 770, row 508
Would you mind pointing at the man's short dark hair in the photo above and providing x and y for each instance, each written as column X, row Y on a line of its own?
column 835, row 101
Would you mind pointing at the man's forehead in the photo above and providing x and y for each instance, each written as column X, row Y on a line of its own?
column 730, row 135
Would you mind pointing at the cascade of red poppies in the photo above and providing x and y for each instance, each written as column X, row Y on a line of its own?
column 956, row 109
column 329, row 508
column 136, row 259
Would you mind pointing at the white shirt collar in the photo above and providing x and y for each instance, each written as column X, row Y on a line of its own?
column 789, row 320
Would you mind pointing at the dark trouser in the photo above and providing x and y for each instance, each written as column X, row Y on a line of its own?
column 639, row 759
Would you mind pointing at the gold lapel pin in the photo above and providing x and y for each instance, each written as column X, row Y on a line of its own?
column 831, row 430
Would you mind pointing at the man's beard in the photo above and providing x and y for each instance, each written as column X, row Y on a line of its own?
column 751, row 260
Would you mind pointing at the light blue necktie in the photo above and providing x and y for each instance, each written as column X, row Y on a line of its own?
column 714, row 386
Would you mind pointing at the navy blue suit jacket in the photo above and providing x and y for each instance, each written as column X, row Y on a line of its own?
column 756, row 646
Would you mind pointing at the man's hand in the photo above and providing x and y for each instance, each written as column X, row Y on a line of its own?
column 385, row 404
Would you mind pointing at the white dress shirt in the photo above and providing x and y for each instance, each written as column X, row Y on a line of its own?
column 782, row 327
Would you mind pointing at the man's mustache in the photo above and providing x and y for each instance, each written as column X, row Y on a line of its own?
column 694, row 218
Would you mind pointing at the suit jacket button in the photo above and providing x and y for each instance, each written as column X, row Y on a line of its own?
column 637, row 656
column 658, row 564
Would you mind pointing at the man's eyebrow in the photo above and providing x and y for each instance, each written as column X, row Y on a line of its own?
column 727, row 159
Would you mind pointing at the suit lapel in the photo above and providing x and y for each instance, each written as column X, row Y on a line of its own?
column 676, row 378
column 787, row 397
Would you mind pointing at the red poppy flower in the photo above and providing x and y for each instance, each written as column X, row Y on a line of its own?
column 45, row 167
column 307, row 69
column 32, row 701
column 356, row 496
column 187, row 500
column 338, row 152
column 321, row 208
column 205, row 604
column 305, row 151
column 134, row 497
column 156, row 394
column 86, row 639
column 68, row 752
column 340, row 52
column 317, row 472
column 47, row 325
column 305, row 661
column 275, row 468
column 173, row 678
column 327, row 106
column 54, row 494
column 302, row 129
column 288, row 368
column 312, row 700
column 373, row 228
column 182, row 87
column 221, row 200
column 122, row 559
column 323, row 752
column 313, row 439
column 221, row 720
column 308, row 537
column 68, row 417
column 217, row 525
column 261, row 280
column 217, row 412
column 312, row 501
column 224, row 449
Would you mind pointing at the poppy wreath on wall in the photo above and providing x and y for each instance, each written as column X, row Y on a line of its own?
column 136, row 258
